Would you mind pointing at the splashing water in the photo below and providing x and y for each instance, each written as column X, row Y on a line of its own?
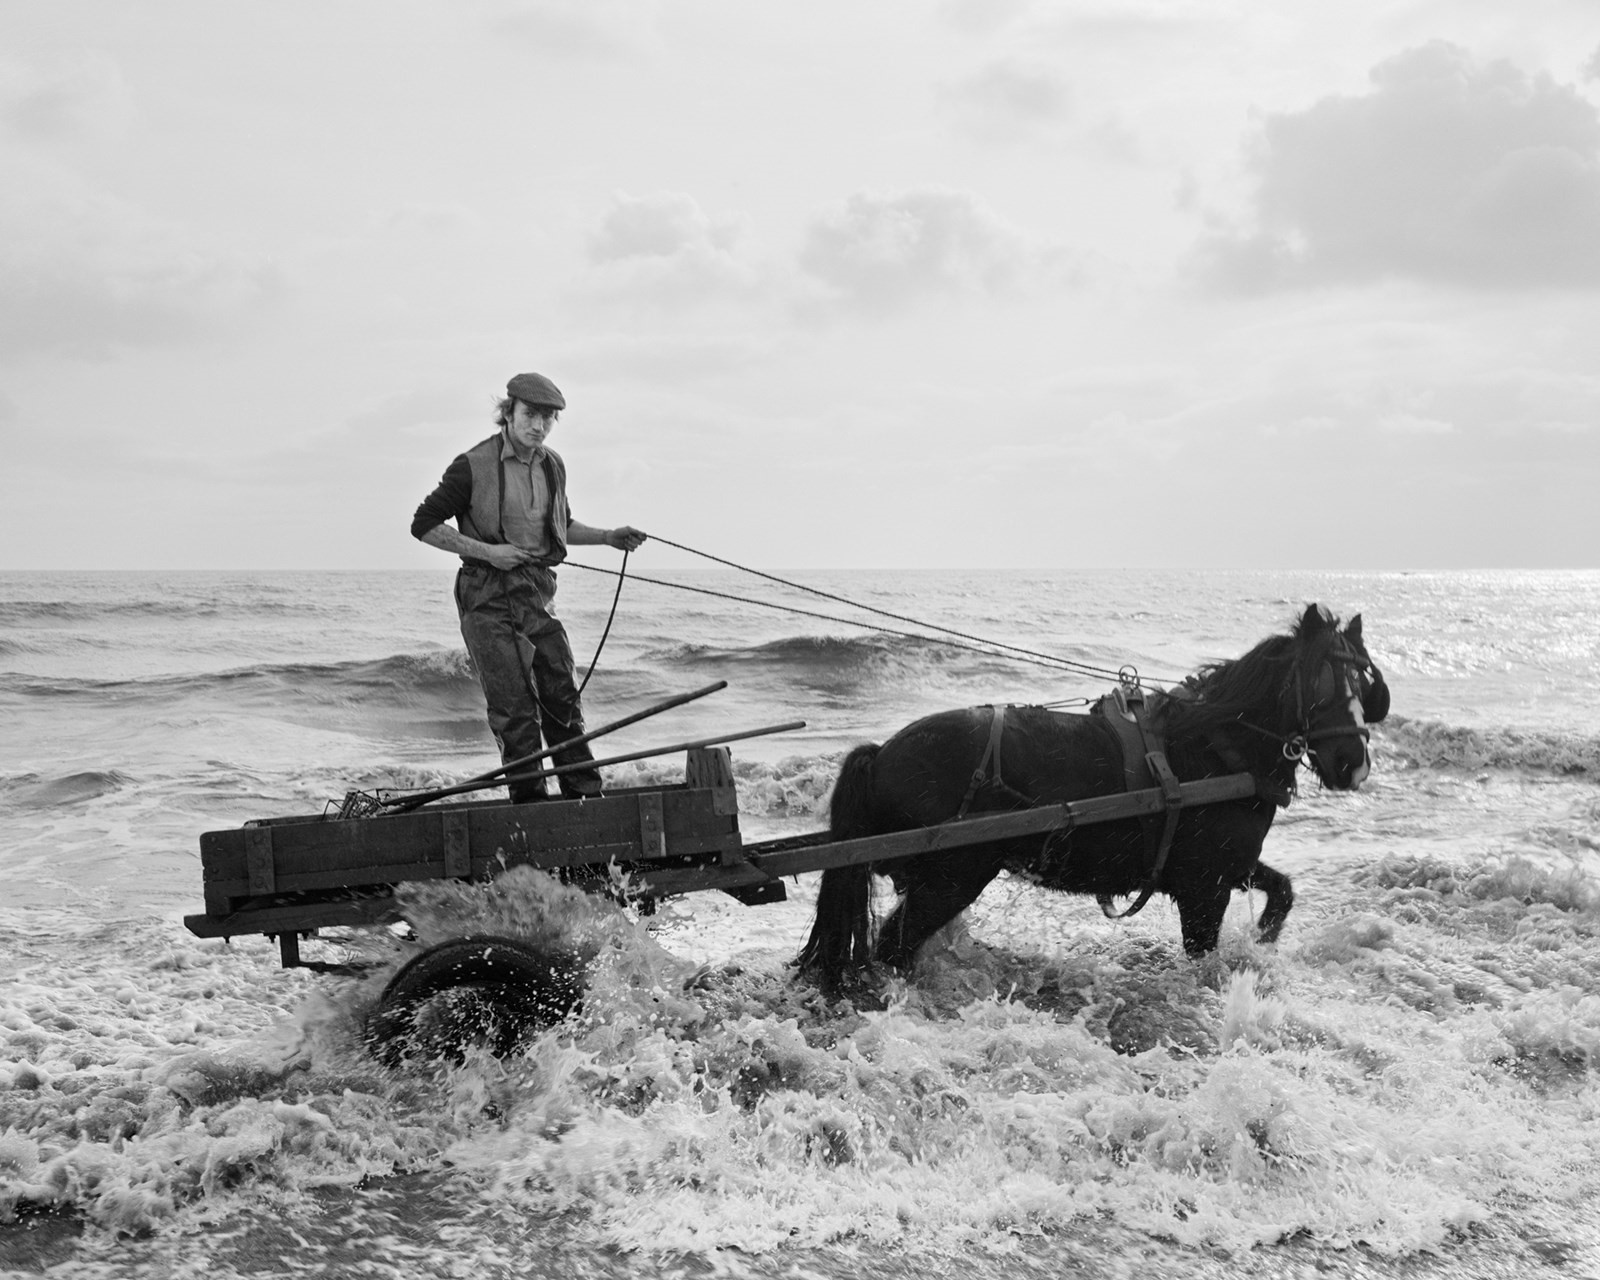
column 1393, row 1081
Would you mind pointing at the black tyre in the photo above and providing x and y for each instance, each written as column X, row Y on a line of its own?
column 483, row 989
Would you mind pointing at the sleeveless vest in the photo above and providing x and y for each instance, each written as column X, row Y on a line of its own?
column 488, row 492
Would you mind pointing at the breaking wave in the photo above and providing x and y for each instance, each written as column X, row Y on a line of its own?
column 33, row 791
column 1434, row 745
column 795, row 787
column 399, row 679
column 868, row 666
column 24, row 613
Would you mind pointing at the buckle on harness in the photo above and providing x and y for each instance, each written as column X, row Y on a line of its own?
column 1128, row 699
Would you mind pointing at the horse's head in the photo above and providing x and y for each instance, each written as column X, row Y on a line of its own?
column 1335, row 692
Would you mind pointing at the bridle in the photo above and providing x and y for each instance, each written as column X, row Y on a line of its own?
column 1355, row 676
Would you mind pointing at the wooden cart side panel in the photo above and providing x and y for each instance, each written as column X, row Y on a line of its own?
column 296, row 918
column 252, row 861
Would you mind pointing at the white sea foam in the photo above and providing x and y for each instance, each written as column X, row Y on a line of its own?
column 1416, row 1054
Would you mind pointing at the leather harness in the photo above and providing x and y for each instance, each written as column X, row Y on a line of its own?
column 1144, row 764
column 1137, row 727
column 987, row 774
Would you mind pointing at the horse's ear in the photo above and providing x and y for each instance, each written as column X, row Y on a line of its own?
column 1314, row 619
column 1374, row 689
column 1375, row 700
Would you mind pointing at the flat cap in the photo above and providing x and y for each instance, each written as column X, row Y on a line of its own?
column 535, row 388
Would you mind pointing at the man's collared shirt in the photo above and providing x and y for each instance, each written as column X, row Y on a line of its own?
column 525, row 507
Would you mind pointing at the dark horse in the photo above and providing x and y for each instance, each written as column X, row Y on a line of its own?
column 1306, row 695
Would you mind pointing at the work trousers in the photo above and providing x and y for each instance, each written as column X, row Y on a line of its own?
column 525, row 666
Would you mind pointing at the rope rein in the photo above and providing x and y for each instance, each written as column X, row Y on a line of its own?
column 978, row 644
column 622, row 575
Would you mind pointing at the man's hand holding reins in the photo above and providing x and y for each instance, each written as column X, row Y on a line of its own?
column 625, row 538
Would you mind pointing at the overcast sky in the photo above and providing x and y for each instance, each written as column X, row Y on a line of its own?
column 1215, row 283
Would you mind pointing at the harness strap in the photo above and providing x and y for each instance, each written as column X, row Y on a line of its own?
column 987, row 774
column 991, row 753
column 1172, row 794
column 1152, row 768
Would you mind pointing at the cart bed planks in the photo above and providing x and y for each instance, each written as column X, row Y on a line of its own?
column 460, row 841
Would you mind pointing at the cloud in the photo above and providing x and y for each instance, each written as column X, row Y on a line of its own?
column 1445, row 171
column 1414, row 424
column 416, row 412
column 80, row 96
column 878, row 253
column 579, row 28
column 982, row 16
column 1017, row 101
column 430, row 221
column 1515, row 410
column 659, row 226
column 1010, row 99
column 83, row 274
column 667, row 249
column 1135, row 18
column 1516, row 401
column 661, row 359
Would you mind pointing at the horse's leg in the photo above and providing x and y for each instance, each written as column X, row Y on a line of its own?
column 1200, row 912
column 937, row 889
column 1280, row 897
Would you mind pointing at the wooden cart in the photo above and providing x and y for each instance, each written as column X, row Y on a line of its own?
column 290, row 877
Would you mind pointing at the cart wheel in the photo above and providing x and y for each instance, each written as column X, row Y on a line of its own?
column 484, row 989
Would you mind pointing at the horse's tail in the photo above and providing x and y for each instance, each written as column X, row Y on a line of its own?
column 840, row 935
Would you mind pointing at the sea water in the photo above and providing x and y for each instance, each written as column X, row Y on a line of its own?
column 1406, row 1080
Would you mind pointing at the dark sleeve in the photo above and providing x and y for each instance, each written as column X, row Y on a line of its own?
column 452, row 498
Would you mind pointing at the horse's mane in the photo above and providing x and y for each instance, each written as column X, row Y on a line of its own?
column 1250, row 687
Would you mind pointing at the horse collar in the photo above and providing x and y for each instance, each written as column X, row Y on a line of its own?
column 1139, row 729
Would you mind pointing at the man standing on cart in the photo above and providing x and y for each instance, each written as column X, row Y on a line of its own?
column 508, row 497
